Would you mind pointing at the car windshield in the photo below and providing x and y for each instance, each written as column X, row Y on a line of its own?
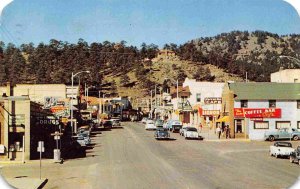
column 284, row 144
column 191, row 129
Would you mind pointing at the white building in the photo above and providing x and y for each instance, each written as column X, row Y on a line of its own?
column 286, row 76
column 261, row 107
column 206, row 100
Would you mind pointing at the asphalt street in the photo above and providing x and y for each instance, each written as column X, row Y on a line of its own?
column 130, row 157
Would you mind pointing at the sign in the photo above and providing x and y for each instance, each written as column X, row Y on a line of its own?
column 40, row 147
column 257, row 112
column 213, row 100
column 16, row 120
column 47, row 121
column 210, row 112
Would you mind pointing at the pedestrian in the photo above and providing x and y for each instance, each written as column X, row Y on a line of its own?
column 227, row 132
column 218, row 130
column 200, row 127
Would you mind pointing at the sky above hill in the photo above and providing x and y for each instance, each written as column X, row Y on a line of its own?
column 138, row 21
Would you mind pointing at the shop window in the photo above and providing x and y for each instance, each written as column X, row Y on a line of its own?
column 198, row 97
column 298, row 104
column 261, row 125
column 272, row 103
column 298, row 124
column 283, row 124
column 244, row 103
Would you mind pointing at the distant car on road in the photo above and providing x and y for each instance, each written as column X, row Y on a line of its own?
column 161, row 133
column 174, row 125
column 283, row 133
column 107, row 124
column 150, row 125
column 116, row 122
column 295, row 156
column 191, row 133
column 144, row 120
column 281, row 149
column 159, row 123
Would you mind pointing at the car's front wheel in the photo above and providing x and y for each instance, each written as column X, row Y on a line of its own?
column 271, row 138
column 276, row 155
column 296, row 137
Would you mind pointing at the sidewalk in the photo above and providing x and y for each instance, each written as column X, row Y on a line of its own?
column 212, row 137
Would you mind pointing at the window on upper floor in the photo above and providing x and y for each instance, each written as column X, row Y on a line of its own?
column 198, row 97
column 272, row 103
column 244, row 103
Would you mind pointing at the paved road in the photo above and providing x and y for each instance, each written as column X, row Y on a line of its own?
column 131, row 158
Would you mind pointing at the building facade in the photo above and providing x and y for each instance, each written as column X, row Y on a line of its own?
column 286, row 76
column 254, row 108
column 206, row 100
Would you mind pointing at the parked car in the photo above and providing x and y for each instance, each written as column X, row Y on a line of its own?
column 107, row 124
column 283, row 133
column 161, row 133
column 191, row 132
column 86, row 138
column 144, row 120
column 281, row 149
column 150, row 125
column 295, row 156
column 116, row 122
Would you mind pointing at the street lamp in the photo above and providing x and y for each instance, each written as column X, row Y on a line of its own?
column 72, row 78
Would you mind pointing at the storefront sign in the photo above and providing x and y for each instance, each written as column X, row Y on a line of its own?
column 257, row 112
column 211, row 112
column 213, row 100
column 17, row 120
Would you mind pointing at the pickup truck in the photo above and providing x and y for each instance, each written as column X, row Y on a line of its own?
column 281, row 149
column 283, row 133
column 174, row 125
column 295, row 156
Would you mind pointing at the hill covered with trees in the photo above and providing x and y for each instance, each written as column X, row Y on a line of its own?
column 117, row 67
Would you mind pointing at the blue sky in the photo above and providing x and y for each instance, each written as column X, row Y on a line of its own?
column 137, row 21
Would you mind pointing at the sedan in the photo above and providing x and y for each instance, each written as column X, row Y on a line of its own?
column 161, row 133
column 150, row 125
column 191, row 132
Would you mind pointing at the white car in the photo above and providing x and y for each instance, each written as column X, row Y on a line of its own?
column 191, row 132
column 281, row 149
column 150, row 125
column 144, row 120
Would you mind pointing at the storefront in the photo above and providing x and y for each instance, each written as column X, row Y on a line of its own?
column 254, row 108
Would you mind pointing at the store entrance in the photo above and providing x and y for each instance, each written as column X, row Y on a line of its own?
column 239, row 126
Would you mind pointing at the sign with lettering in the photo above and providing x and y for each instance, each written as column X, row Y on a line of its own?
column 210, row 112
column 257, row 112
column 17, row 120
column 213, row 100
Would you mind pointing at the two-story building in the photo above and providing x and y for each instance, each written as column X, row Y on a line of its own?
column 251, row 109
column 206, row 99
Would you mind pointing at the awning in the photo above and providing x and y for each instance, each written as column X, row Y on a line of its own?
column 223, row 119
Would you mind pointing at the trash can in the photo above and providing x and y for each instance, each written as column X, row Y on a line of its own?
column 56, row 155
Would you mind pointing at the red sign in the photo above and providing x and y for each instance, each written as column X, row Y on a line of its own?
column 257, row 112
column 211, row 112
column 200, row 111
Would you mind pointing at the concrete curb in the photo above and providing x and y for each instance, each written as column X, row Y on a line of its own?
column 27, row 183
column 228, row 140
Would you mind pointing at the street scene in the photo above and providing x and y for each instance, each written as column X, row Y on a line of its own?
column 130, row 157
column 149, row 94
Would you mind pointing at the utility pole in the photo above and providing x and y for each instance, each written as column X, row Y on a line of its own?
column 151, row 106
